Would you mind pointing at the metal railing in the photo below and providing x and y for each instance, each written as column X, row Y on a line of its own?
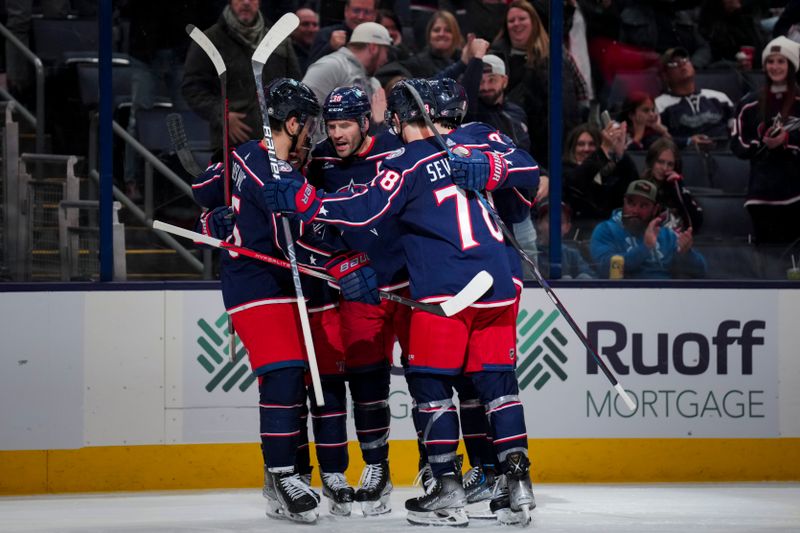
column 79, row 259
column 36, row 122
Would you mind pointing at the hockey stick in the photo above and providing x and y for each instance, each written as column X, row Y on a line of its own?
column 276, row 35
column 539, row 278
column 476, row 288
column 180, row 144
column 219, row 65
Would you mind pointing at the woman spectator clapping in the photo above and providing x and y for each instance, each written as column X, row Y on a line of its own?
column 597, row 172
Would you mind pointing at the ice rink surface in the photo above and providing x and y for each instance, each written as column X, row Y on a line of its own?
column 704, row 508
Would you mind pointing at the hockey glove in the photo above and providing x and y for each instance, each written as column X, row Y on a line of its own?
column 291, row 196
column 474, row 170
column 217, row 222
column 357, row 280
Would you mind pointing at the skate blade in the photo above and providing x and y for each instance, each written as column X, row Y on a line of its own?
column 274, row 510
column 520, row 518
column 340, row 509
column 377, row 507
column 480, row 511
column 306, row 517
column 442, row 517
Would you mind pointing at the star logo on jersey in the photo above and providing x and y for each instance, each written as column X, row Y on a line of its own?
column 353, row 187
column 214, row 357
column 540, row 349
column 312, row 259
column 323, row 211
column 246, row 156
column 374, row 231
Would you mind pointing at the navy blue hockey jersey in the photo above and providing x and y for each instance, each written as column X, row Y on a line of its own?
column 248, row 282
column 382, row 243
column 447, row 236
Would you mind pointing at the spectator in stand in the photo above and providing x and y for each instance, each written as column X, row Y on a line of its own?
column 700, row 118
column 389, row 20
column 493, row 108
column 354, row 64
column 573, row 265
column 597, row 171
column 649, row 250
column 236, row 35
column 643, row 123
column 664, row 25
column 766, row 133
column 303, row 36
column 331, row 38
column 443, row 50
column 728, row 27
column 663, row 167
column 788, row 23
column 524, row 44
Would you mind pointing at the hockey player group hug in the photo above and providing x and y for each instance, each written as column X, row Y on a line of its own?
column 398, row 212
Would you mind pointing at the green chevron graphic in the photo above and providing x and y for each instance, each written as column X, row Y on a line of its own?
column 540, row 348
column 215, row 358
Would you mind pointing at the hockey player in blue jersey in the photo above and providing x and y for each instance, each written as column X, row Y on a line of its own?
column 348, row 160
column 447, row 238
column 512, row 202
column 261, row 300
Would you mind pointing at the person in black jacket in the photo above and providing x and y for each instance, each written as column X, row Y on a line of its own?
column 597, row 172
column 663, row 167
column 236, row 35
column 766, row 133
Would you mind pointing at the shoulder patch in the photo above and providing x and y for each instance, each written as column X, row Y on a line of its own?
column 396, row 153
column 284, row 166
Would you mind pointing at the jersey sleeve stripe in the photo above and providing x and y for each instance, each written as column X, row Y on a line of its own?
column 210, row 180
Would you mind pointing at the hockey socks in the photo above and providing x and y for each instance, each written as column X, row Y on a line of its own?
column 438, row 419
column 499, row 393
column 330, row 427
column 282, row 400
column 370, row 391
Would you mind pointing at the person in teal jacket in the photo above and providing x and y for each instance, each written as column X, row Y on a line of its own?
column 649, row 250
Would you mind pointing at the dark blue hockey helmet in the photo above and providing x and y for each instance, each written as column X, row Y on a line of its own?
column 287, row 98
column 347, row 103
column 451, row 100
column 402, row 104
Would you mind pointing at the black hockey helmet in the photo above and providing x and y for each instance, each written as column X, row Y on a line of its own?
column 451, row 99
column 402, row 104
column 287, row 98
column 347, row 103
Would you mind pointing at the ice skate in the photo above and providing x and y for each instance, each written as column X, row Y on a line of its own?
column 441, row 505
column 340, row 495
column 296, row 500
column 374, row 489
column 514, row 499
column 424, row 477
column 479, row 486
column 274, row 509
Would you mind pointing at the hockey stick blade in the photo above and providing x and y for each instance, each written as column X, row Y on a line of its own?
column 276, row 35
column 476, row 288
column 208, row 47
column 177, row 134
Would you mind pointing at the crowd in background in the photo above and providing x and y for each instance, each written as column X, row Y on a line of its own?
column 499, row 50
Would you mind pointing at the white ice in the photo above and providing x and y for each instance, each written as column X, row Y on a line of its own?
column 724, row 508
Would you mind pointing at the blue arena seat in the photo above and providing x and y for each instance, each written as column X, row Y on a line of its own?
column 52, row 38
column 729, row 173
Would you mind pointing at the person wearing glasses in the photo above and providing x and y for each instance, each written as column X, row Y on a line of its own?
column 699, row 118
column 331, row 38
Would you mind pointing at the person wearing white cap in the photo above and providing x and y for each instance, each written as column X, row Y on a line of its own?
column 494, row 109
column 354, row 64
column 766, row 132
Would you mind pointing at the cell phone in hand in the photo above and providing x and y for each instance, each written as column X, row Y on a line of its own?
column 605, row 118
